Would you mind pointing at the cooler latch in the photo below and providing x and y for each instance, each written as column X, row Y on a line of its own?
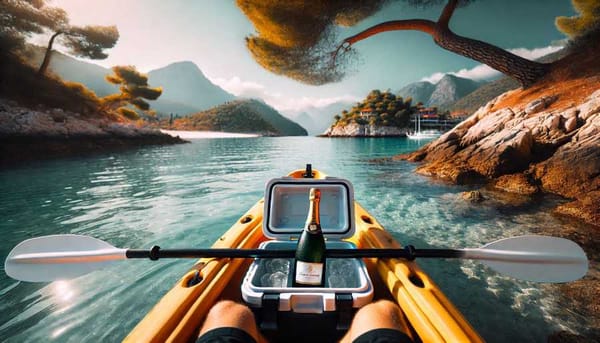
column 343, row 305
column 270, row 306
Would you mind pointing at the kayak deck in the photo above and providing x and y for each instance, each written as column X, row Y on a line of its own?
column 179, row 314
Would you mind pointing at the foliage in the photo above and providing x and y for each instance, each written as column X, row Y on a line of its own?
column 297, row 39
column 246, row 116
column 90, row 41
column 134, row 89
column 588, row 18
column 128, row 113
column 21, row 19
column 387, row 110
column 18, row 81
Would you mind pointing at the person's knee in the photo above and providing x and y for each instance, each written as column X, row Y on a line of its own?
column 381, row 308
column 227, row 308
column 228, row 313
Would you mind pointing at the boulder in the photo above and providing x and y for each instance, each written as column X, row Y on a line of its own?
column 516, row 183
column 472, row 196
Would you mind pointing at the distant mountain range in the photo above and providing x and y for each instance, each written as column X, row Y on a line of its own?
column 317, row 119
column 442, row 94
column 185, row 88
column 244, row 116
column 186, row 91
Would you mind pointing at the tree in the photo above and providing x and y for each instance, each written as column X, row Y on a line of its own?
column 20, row 19
column 588, row 18
column 88, row 42
column 298, row 39
column 134, row 89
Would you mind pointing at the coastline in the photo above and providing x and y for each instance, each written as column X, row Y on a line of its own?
column 183, row 134
column 28, row 134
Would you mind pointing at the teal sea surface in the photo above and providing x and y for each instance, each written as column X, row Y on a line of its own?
column 188, row 195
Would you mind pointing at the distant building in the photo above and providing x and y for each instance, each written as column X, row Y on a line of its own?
column 367, row 113
column 460, row 114
column 428, row 112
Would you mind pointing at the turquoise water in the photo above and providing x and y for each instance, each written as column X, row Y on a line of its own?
column 187, row 195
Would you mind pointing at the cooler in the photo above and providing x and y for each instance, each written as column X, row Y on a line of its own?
column 267, row 287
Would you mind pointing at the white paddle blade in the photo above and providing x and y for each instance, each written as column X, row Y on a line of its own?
column 59, row 257
column 534, row 258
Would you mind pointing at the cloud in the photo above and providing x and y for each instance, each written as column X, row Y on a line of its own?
column 484, row 72
column 277, row 100
column 238, row 87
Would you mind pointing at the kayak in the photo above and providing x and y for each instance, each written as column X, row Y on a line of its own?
column 178, row 316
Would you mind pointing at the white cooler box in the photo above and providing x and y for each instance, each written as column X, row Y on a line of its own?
column 267, row 286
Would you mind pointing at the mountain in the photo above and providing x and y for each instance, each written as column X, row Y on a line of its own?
column 482, row 95
column 185, row 89
column 451, row 88
column 442, row 94
column 69, row 68
column 317, row 119
column 419, row 91
column 245, row 116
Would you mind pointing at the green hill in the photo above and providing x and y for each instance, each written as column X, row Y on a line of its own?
column 378, row 108
column 244, row 116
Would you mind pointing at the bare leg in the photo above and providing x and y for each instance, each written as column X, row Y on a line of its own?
column 383, row 314
column 231, row 314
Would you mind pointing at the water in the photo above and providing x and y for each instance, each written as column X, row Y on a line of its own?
column 188, row 195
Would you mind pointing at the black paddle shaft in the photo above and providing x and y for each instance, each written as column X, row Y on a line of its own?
column 408, row 252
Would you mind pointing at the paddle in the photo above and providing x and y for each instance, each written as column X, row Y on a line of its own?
column 533, row 258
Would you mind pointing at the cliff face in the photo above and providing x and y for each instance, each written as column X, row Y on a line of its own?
column 526, row 149
column 357, row 130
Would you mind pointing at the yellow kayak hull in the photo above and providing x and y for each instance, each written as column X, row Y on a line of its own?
column 177, row 317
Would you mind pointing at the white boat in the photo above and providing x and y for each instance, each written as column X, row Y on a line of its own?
column 425, row 134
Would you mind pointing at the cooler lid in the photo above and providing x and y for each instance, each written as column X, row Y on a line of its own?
column 286, row 207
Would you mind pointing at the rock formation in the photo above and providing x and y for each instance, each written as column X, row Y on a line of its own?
column 525, row 150
column 358, row 130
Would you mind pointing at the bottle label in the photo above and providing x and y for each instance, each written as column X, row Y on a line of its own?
column 309, row 273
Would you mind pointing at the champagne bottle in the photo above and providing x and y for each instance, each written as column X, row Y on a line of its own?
column 309, row 265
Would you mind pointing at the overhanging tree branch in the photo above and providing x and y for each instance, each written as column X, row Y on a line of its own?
column 447, row 13
column 521, row 69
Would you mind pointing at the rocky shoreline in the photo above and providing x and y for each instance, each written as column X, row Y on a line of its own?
column 30, row 134
column 359, row 130
column 525, row 150
column 528, row 150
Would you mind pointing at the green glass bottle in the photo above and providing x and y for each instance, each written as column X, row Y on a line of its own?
column 309, row 265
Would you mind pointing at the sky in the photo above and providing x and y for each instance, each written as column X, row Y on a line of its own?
column 210, row 33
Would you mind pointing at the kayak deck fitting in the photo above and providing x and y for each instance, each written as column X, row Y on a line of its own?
column 178, row 316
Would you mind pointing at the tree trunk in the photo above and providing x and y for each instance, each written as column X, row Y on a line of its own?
column 48, row 55
column 521, row 69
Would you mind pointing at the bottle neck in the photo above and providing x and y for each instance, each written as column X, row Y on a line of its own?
column 313, row 219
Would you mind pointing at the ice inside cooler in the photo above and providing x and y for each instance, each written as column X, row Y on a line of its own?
column 339, row 272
